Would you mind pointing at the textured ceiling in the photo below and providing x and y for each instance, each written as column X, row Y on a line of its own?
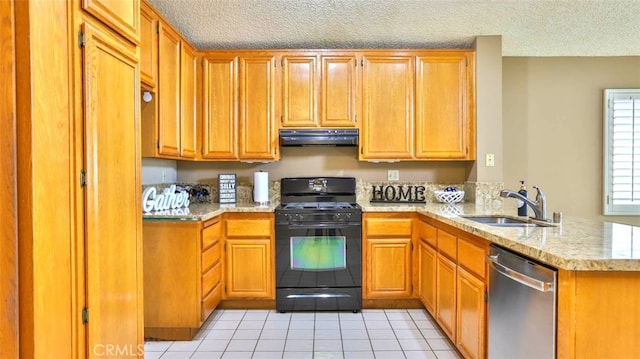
column 527, row 27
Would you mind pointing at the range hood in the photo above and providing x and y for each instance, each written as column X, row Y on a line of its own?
column 319, row 137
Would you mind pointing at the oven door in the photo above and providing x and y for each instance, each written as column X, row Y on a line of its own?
column 318, row 255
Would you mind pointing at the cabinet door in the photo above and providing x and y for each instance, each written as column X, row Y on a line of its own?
column 121, row 16
column 172, row 288
column 446, row 295
column 113, row 225
column 257, row 127
column 220, row 110
column 188, row 101
column 169, row 92
column 443, row 111
column 249, row 268
column 299, row 91
column 471, row 314
column 388, row 117
column 388, row 273
column 148, row 45
column 426, row 276
column 338, row 90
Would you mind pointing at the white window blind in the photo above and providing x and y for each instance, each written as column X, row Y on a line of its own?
column 622, row 152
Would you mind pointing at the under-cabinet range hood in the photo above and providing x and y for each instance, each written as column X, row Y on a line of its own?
column 319, row 137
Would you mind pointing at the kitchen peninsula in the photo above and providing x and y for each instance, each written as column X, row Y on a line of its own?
column 598, row 263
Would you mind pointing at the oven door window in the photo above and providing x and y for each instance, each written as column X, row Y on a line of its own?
column 318, row 253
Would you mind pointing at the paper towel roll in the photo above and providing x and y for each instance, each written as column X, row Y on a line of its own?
column 261, row 188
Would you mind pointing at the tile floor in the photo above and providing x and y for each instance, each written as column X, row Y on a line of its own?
column 259, row 334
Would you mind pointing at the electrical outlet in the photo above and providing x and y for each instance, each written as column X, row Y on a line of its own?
column 164, row 176
column 393, row 175
column 490, row 160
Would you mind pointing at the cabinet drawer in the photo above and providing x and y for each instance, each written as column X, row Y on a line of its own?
column 248, row 228
column 211, row 233
column 447, row 244
column 388, row 227
column 211, row 256
column 210, row 279
column 428, row 233
column 210, row 302
column 472, row 257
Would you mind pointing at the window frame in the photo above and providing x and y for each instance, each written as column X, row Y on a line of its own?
column 609, row 208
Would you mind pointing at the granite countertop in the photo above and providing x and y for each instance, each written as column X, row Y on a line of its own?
column 577, row 244
column 202, row 212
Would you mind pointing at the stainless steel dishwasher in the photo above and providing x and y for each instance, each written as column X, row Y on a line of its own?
column 522, row 307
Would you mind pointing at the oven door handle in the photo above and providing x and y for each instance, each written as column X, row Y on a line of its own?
column 322, row 225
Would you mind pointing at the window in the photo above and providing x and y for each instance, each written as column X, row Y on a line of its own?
column 622, row 152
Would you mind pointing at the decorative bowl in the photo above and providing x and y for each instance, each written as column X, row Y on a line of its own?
column 448, row 197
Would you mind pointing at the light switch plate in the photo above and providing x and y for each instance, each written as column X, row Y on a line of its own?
column 490, row 160
column 393, row 175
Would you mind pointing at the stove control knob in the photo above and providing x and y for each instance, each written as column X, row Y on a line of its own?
column 337, row 216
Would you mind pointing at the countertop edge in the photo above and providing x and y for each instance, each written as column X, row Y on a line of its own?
column 531, row 242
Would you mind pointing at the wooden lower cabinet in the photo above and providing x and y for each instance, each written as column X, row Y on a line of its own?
column 387, row 255
column 446, row 295
column 451, row 283
column 426, row 276
column 470, row 314
column 249, row 256
column 598, row 314
column 182, row 276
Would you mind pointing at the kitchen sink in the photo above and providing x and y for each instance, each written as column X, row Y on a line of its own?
column 506, row 221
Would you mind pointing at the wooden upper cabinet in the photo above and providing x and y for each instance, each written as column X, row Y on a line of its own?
column 220, row 109
column 169, row 50
column 338, row 90
column 258, row 139
column 148, row 45
column 444, row 106
column 121, row 16
column 188, row 101
column 299, row 91
column 388, row 112
column 318, row 89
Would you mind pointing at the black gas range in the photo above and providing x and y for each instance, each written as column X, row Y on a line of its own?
column 318, row 245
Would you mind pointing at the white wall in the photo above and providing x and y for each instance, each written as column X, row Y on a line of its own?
column 488, row 109
column 325, row 161
column 552, row 127
column 155, row 171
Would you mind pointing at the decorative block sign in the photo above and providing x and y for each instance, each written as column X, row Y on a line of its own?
column 398, row 194
column 227, row 187
column 164, row 201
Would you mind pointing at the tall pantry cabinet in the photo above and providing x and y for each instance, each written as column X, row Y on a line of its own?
column 8, row 199
column 78, row 154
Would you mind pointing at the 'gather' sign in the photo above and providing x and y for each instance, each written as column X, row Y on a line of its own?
column 168, row 199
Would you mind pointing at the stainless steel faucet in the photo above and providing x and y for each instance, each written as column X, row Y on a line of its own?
column 539, row 206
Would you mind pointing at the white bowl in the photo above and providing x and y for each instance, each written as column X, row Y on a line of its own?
column 448, row 197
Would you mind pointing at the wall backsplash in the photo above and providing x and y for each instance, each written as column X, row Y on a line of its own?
column 481, row 193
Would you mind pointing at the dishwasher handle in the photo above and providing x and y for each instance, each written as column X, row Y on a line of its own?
column 533, row 283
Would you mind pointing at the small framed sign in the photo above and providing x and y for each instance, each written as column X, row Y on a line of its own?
column 227, row 187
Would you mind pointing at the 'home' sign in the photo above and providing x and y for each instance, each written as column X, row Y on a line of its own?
column 398, row 194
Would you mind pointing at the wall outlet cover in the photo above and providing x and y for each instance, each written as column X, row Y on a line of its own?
column 393, row 175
